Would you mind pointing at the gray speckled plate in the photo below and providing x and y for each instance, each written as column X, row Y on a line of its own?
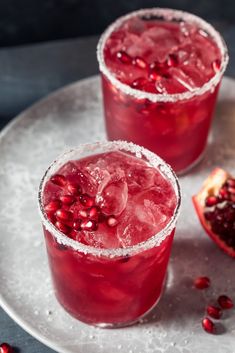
column 68, row 117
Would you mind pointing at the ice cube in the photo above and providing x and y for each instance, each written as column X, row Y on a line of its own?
column 182, row 78
column 140, row 177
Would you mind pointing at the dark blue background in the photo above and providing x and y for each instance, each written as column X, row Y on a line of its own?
column 27, row 21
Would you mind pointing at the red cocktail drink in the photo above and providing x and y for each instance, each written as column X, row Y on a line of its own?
column 161, row 70
column 109, row 212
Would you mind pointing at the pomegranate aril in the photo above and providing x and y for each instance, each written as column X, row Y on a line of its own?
column 89, row 225
column 83, row 213
column 214, row 311
column 59, row 180
column 5, row 348
column 140, row 62
column 223, row 194
column 74, row 189
column 216, row 65
column 202, row 282
column 139, row 83
column 86, row 200
column 77, row 225
column 67, row 199
column 231, row 190
column 225, row 302
column 208, row 325
column 112, row 221
column 172, row 60
column 63, row 215
column 211, row 201
column 124, row 57
column 154, row 75
column 63, row 228
column 93, row 212
column 73, row 234
column 52, row 206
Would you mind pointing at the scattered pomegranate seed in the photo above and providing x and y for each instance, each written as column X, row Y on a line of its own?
column 112, row 221
column 83, row 213
column 139, row 83
column 63, row 215
column 58, row 179
column 225, row 302
column 93, row 212
column 172, row 60
column 124, row 57
column 86, row 200
column 77, row 225
column 214, row 311
column 89, row 225
column 63, row 228
column 67, row 199
column 208, row 325
column 211, row 201
column 140, row 62
column 73, row 188
column 216, row 65
column 6, row 348
column 53, row 206
column 202, row 282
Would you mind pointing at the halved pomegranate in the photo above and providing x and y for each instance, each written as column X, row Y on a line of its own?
column 215, row 206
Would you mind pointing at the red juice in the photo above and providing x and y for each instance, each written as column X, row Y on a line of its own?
column 161, row 71
column 117, row 214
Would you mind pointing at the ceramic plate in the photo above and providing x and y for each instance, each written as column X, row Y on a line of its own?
column 72, row 116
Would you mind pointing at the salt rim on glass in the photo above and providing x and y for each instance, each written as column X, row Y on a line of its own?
column 169, row 15
column 98, row 147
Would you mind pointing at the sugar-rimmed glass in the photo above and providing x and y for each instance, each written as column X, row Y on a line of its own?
column 175, row 126
column 108, row 287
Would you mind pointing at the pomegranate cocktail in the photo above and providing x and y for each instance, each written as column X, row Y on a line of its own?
column 161, row 71
column 109, row 212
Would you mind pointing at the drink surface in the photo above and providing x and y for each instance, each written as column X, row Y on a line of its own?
column 109, row 200
column 161, row 57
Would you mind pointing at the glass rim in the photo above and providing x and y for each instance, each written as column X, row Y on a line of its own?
column 154, row 160
column 169, row 14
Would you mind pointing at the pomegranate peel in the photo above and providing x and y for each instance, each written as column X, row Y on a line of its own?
column 215, row 207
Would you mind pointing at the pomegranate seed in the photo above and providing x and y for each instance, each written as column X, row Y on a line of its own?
column 77, row 224
column 223, row 194
column 89, row 225
column 231, row 190
column 172, row 60
column 93, row 212
column 202, row 282
column 67, row 199
column 73, row 234
column 231, row 182
column 62, row 227
column 73, row 188
column 154, row 75
column 6, row 348
column 53, row 206
column 63, row 215
column 214, row 311
column 58, row 179
column 86, row 200
column 225, row 302
column 112, row 221
column 139, row 83
column 51, row 217
column 124, row 57
column 140, row 62
column 83, row 213
column 211, row 201
column 208, row 325
column 216, row 65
